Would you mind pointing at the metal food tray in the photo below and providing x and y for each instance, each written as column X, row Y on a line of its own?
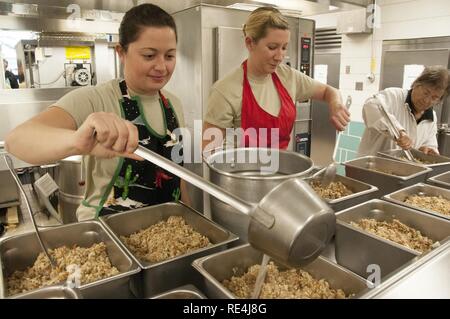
column 184, row 292
column 399, row 197
column 442, row 180
column 19, row 252
column 356, row 249
column 440, row 164
column 220, row 266
column 406, row 173
column 362, row 192
column 162, row 276
column 426, row 278
column 50, row 292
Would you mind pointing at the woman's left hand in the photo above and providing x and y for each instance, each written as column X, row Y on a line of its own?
column 339, row 116
column 428, row 150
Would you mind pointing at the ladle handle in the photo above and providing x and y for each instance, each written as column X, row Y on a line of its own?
column 394, row 129
column 27, row 204
column 203, row 184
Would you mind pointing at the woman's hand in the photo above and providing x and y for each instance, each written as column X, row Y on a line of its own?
column 428, row 150
column 106, row 135
column 339, row 116
column 404, row 141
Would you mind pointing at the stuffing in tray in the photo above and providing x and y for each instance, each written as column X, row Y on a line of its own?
column 93, row 262
column 397, row 232
column 334, row 190
column 287, row 284
column 164, row 240
column 438, row 204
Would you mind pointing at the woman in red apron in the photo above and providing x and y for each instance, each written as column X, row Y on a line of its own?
column 261, row 94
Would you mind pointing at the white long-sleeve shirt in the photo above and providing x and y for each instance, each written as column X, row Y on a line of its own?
column 376, row 136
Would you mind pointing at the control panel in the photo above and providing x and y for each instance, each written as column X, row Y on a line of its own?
column 305, row 56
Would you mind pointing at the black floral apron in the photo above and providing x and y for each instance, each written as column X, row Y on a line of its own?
column 143, row 181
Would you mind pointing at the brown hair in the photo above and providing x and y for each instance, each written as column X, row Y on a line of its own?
column 144, row 15
column 435, row 76
column 261, row 19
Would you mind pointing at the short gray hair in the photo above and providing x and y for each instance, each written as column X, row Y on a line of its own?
column 436, row 76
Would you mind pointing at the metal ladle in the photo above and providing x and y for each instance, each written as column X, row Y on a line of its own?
column 291, row 223
column 10, row 166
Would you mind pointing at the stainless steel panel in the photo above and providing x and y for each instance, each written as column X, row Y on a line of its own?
column 357, row 249
column 394, row 62
column 184, row 292
column 427, row 278
column 83, row 234
column 400, row 196
column 439, row 164
column 230, row 50
column 442, row 180
column 9, row 191
column 57, row 25
column 397, row 53
column 54, row 292
column 168, row 274
column 444, row 142
column 362, row 192
column 224, row 265
column 323, row 134
column 403, row 174
column 17, row 106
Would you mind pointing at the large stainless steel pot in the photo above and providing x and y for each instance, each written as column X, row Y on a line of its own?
column 246, row 180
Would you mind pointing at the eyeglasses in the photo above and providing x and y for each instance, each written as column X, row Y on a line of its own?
column 428, row 94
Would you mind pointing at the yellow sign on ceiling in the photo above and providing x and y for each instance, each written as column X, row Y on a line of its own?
column 78, row 53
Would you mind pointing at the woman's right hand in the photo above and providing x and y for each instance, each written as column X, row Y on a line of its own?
column 106, row 135
column 404, row 141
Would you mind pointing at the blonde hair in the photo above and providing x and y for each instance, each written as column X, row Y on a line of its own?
column 261, row 19
column 435, row 76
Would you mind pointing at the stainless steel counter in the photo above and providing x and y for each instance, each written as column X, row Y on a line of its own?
column 424, row 278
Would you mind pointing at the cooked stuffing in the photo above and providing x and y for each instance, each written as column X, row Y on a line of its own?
column 435, row 203
column 93, row 262
column 386, row 171
column 417, row 160
column 164, row 240
column 397, row 232
column 287, row 284
column 334, row 190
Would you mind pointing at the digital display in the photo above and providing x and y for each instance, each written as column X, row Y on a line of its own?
column 305, row 50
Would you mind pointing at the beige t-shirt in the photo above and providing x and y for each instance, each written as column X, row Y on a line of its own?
column 106, row 98
column 225, row 98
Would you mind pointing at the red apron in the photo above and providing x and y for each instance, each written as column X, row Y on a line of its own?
column 253, row 116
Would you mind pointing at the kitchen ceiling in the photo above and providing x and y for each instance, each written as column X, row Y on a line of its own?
column 305, row 7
